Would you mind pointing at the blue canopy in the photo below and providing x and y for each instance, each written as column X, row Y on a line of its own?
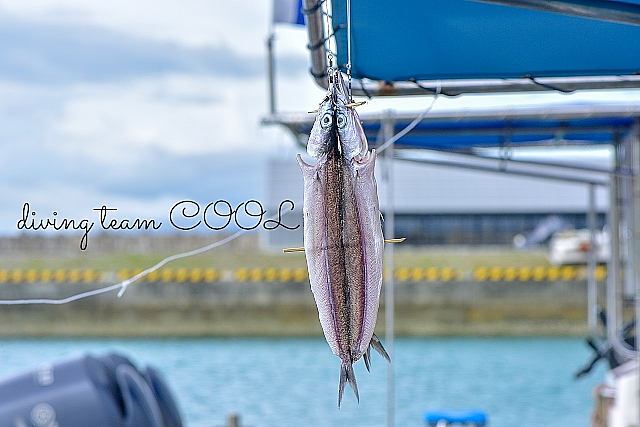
column 404, row 47
column 458, row 39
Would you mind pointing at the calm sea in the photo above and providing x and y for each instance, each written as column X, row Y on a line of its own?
column 294, row 382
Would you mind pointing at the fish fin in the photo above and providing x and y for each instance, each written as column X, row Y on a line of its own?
column 311, row 171
column 302, row 163
column 347, row 376
column 367, row 358
column 377, row 345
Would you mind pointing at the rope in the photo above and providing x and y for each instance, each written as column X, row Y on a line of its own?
column 125, row 283
column 411, row 125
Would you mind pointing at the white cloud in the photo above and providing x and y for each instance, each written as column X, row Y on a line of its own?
column 238, row 24
column 133, row 136
column 140, row 104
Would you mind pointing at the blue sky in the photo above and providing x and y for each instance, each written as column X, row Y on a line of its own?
column 138, row 105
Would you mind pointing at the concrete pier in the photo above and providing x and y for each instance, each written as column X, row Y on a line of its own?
column 273, row 307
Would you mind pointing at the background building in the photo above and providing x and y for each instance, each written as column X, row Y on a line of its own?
column 440, row 205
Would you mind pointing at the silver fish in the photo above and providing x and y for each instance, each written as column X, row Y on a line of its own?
column 342, row 234
column 318, row 144
column 352, row 137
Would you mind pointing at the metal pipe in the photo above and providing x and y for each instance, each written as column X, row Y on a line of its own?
column 614, row 277
column 388, row 128
column 576, row 167
column 624, row 114
column 547, row 113
column 272, row 90
column 635, row 260
column 613, row 321
column 627, row 215
column 559, row 165
column 372, row 88
column 592, row 284
column 602, row 10
column 316, row 32
column 488, row 168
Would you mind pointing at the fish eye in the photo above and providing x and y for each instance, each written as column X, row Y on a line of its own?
column 342, row 120
column 326, row 120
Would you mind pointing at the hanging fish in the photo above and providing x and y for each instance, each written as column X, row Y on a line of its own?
column 343, row 239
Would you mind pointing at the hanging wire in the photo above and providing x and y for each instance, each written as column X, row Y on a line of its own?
column 547, row 86
column 125, row 283
column 428, row 89
column 329, row 35
column 349, row 48
column 411, row 125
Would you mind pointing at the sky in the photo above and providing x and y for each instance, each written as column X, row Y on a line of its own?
column 139, row 105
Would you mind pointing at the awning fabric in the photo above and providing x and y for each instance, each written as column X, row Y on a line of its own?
column 461, row 39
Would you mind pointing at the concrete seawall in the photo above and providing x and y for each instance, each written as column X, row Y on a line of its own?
column 277, row 308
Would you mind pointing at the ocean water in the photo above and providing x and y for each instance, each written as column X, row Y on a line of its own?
column 524, row 382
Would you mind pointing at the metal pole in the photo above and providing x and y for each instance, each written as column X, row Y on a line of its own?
column 388, row 127
column 627, row 215
column 316, row 36
column 592, row 284
column 613, row 274
column 272, row 84
column 615, row 315
column 635, row 237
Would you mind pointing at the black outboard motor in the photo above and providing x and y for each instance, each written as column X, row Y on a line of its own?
column 105, row 391
column 605, row 349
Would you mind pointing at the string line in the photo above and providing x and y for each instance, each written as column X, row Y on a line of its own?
column 349, row 47
column 123, row 285
column 411, row 125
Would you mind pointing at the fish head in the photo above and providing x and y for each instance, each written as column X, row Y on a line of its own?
column 340, row 88
column 320, row 136
column 352, row 137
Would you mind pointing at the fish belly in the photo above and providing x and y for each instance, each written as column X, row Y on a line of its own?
column 343, row 247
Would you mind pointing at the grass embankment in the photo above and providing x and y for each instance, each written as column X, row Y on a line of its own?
column 438, row 308
column 465, row 259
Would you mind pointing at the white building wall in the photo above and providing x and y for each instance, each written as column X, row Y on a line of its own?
column 423, row 188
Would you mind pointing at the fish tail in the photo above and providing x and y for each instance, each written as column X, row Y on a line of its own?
column 347, row 376
column 377, row 345
column 367, row 358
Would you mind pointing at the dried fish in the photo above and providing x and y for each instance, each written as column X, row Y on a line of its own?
column 343, row 239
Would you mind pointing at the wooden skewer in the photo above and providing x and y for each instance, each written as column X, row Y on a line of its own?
column 398, row 240
column 356, row 104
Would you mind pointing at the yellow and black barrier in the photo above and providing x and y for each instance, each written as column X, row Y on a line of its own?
column 46, row 275
column 430, row 274
column 536, row 274
column 208, row 275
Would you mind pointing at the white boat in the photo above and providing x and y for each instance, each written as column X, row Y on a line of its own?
column 572, row 247
column 616, row 400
